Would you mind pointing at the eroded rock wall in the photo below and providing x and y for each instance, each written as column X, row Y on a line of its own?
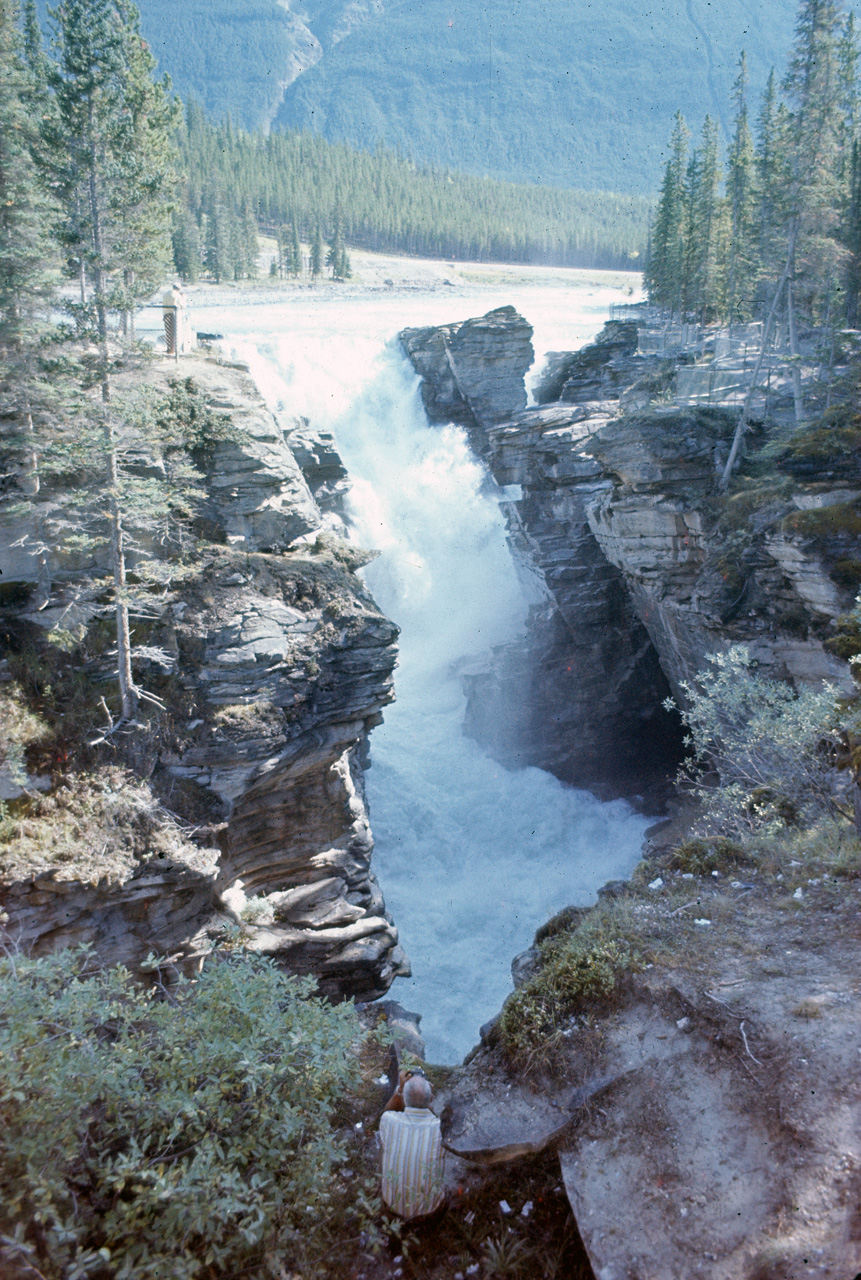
column 646, row 573
column 582, row 693
column 274, row 663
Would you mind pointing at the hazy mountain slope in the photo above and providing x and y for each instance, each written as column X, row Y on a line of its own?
column 566, row 91
column 574, row 92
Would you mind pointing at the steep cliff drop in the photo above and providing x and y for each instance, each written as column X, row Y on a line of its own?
column 581, row 691
column 472, row 856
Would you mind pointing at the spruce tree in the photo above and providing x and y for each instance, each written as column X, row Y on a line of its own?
column 186, row 246
column 316, row 263
column 337, row 250
column 27, row 256
column 250, row 245
column 217, row 238
column 111, row 156
column 772, row 173
column 850, row 97
column 295, row 251
column 813, row 88
column 667, row 259
column 702, row 276
column 741, row 197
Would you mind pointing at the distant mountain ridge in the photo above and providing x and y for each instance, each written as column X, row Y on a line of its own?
column 566, row 92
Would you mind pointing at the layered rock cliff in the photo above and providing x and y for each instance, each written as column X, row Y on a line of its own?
column 706, row 1115
column 273, row 663
column 581, row 695
column 610, row 493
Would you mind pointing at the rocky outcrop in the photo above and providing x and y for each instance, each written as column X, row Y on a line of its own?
column 611, row 497
column 273, row 663
column 706, row 1118
column 597, row 372
column 258, row 495
column 315, row 451
column 582, row 694
column 156, row 910
column 697, row 586
column 287, row 665
column 472, row 372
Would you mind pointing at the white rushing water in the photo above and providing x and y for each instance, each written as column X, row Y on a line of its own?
column 472, row 858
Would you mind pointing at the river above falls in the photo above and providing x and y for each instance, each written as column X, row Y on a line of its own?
column 471, row 857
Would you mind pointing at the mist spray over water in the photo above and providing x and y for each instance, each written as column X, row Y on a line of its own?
column 472, row 857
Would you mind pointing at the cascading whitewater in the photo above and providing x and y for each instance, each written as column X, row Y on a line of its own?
column 471, row 857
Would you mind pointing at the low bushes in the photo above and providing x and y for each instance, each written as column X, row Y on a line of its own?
column 578, row 967
column 763, row 754
column 183, row 1137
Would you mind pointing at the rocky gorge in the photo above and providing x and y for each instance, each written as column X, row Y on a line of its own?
column 705, row 1125
column 609, row 496
column 729, row 1056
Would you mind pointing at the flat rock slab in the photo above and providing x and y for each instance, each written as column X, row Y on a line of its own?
column 500, row 1121
column 734, row 1152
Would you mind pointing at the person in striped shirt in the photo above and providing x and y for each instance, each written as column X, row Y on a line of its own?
column 412, row 1151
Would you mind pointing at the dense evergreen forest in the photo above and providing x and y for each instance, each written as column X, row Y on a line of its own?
column 772, row 228
column 381, row 201
column 555, row 92
column 560, row 92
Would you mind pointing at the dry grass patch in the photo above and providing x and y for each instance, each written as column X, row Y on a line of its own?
column 102, row 824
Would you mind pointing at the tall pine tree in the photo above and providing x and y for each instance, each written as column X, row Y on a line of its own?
column 741, row 197
column 111, row 156
column 666, row 272
column 27, row 255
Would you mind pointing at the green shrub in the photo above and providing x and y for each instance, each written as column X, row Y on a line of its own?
column 704, row 856
column 578, row 968
column 773, row 747
column 179, row 1137
column 19, row 730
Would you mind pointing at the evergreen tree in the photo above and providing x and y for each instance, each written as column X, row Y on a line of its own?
column 772, row 173
column 337, row 250
column 666, row 276
column 26, row 253
column 112, row 155
column 813, row 88
column 186, row 246
column 741, row 197
column 281, row 264
column 27, row 256
column 850, row 100
column 852, row 239
column 112, row 165
column 295, row 250
column 217, row 248
column 38, row 66
column 316, row 263
column 249, row 244
column 702, row 275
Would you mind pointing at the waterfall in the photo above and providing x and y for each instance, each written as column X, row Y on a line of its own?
column 471, row 857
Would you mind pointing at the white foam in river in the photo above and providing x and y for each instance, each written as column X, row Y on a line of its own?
column 472, row 858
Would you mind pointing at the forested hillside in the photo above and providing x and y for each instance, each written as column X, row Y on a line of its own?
column 770, row 226
column 571, row 94
column 561, row 93
column 384, row 202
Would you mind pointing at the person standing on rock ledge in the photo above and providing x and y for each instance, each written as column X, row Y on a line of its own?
column 412, row 1150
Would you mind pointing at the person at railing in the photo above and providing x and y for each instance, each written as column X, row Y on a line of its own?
column 175, row 320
